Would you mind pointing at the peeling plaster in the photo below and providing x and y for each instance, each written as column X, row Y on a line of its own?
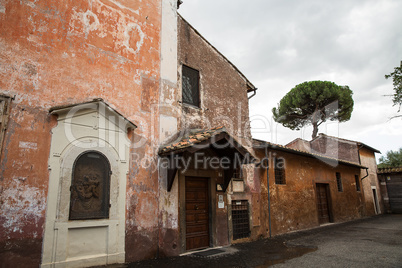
column 21, row 203
column 124, row 7
column 2, row 9
column 130, row 28
column 91, row 21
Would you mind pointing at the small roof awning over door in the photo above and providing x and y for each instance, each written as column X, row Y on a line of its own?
column 215, row 139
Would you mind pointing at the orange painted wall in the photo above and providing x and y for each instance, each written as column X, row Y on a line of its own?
column 57, row 52
column 294, row 205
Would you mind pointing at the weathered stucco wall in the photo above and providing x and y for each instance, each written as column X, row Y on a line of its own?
column 223, row 91
column 64, row 52
column 168, row 201
column 335, row 147
column 367, row 159
column 294, row 204
column 23, row 185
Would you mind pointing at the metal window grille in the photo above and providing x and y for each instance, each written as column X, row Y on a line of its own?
column 240, row 219
column 190, row 86
column 279, row 169
column 357, row 183
column 339, row 182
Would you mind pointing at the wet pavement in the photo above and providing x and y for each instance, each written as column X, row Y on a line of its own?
column 370, row 242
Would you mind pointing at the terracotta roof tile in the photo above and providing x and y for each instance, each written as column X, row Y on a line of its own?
column 292, row 150
column 192, row 138
column 389, row 170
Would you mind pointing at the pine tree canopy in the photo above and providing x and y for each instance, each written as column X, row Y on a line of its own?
column 312, row 103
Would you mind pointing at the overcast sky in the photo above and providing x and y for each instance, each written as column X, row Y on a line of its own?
column 278, row 44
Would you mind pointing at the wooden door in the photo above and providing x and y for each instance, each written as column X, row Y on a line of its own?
column 394, row 188
column 322, row 203
column 197, row 213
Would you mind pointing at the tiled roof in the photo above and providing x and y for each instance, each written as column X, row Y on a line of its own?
column 389, row 170
column 357, row 142
column 191, row 139
column 256, row 144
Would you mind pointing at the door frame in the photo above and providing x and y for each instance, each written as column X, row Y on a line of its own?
column 376, row 201
column 182, row 203
column 329, row 202
column 209, row 211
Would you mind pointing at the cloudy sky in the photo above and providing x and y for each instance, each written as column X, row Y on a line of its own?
column 278, row 44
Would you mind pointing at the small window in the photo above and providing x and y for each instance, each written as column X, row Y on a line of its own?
column 357, row 183
column 4, row 113
column 339, row 182
column 279, row 168
column 190, row 85
column 90, row 187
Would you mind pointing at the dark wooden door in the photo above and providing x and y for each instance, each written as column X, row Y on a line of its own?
column 322, row 203
column 197, row 213
column 394, row 188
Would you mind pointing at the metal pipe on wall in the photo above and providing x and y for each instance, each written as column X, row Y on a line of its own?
column 269, row 198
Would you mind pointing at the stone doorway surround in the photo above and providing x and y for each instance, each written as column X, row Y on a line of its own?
column 81, row 128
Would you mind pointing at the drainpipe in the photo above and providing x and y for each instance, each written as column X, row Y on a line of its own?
column 366, row 174
column 269, row 198
column 254, row 93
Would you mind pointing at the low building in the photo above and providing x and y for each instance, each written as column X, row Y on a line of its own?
column 352, row 151
column 306, row 189
column 390, row 180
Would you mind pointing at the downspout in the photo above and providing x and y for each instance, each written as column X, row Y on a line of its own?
column 254, row 93
column 366, row 174
column 269, row 198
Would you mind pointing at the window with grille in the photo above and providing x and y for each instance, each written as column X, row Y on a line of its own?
column 240, row 219
column 357, row 183
column 279, row 168
column 339, row 182
column 190, row 86
column 4, row 114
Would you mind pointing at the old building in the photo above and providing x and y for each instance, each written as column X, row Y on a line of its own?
column 391, row 188
column 92, row 91
column 80, row 86
column 306, row 189
column 194, row 199
column 352, row 151
column 125, row 135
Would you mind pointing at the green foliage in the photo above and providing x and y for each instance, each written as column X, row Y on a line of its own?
column 397, row 82
column 313, row 103
column 392, row 159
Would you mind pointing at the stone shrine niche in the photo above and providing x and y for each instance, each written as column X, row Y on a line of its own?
column 90, row 187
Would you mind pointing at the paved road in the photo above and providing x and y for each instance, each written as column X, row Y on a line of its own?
column 376, row 242
column 371, row 242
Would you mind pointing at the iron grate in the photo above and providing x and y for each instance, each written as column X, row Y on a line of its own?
column 240, row 219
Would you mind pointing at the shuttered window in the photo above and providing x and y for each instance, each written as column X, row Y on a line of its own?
column 190, row 86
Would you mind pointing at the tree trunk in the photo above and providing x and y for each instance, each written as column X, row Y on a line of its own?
column 315, row 122
column 315, row 130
